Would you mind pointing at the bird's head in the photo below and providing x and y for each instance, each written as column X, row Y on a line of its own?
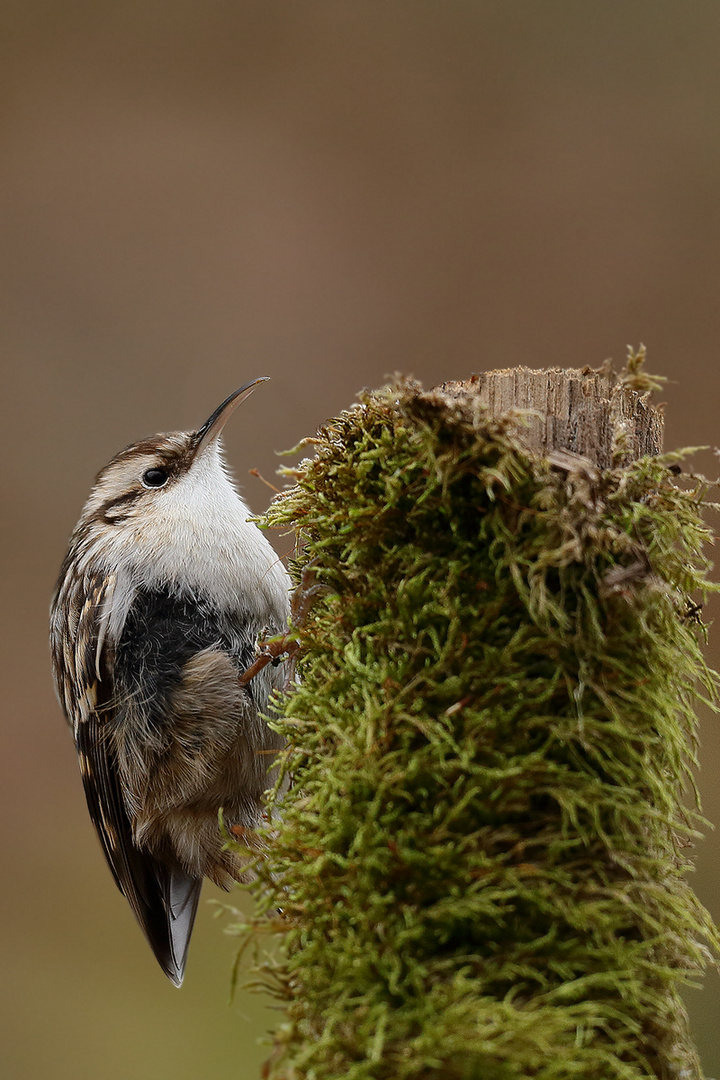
column 154, row 478
column 164, row 514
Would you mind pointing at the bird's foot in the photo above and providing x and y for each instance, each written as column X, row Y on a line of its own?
column 272, row 650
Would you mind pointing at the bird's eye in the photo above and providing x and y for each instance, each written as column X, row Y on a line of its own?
column 154, row 478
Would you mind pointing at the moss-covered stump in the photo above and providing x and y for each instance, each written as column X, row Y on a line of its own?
column 481, row 859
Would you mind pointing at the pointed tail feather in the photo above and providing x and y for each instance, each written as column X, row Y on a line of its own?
column 166, row 912
column 180, row 898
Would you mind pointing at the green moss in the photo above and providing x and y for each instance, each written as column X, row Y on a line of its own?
column 481, row 860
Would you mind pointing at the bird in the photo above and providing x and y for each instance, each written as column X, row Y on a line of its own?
column 162, row 597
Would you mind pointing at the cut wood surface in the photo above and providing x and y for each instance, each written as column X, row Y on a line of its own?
column 584, row 411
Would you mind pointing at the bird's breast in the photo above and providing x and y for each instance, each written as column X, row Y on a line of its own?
column 209, row 549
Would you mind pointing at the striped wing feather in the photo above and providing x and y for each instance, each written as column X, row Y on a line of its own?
column 163, row 898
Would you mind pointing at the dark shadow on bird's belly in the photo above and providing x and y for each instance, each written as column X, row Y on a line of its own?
column 162, row 632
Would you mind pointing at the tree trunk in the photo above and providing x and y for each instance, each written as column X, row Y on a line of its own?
column 481, row 858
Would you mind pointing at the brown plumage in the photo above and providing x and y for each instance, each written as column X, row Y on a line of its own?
column 161, row 599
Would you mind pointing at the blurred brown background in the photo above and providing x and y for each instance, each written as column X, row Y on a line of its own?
column 193, row 193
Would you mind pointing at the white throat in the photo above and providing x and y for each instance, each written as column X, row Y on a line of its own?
column 198, row 541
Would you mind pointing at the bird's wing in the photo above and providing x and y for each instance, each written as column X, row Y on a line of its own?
column 163, row 898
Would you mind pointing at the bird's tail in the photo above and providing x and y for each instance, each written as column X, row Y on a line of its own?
column 165, row 905
column 180, row 896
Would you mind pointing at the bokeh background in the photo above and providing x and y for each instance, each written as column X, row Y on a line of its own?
column 194, row 193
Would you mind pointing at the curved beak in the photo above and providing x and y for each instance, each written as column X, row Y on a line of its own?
column 213, row 426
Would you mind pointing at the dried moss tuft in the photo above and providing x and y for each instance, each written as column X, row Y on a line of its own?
column 481, row 860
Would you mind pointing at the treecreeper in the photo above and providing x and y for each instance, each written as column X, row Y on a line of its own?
column 165, row 590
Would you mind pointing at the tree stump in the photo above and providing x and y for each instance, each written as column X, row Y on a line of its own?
column 481, row 859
